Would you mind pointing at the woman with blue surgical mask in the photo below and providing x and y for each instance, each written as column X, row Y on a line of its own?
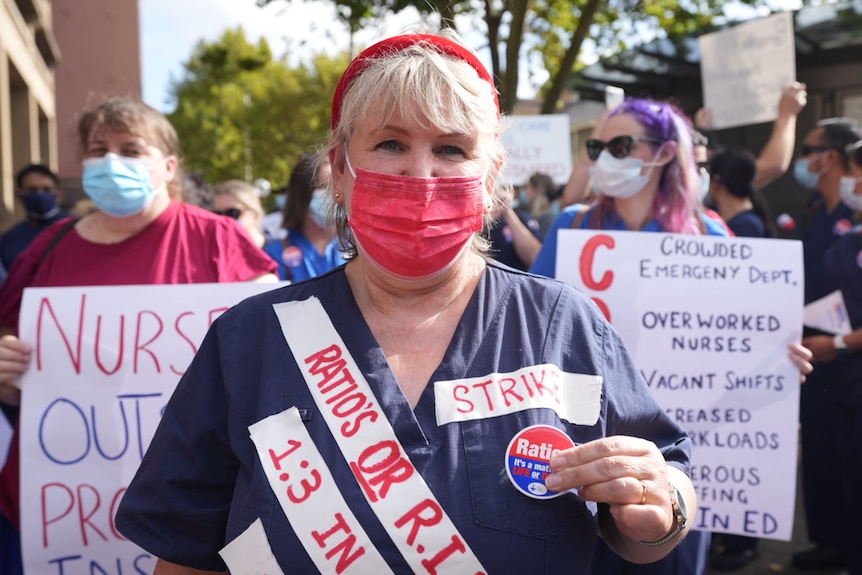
column 310, row 246
column 141, row 233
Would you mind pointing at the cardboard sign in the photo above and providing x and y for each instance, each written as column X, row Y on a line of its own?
column 538, row 144
column 708, row 321
column 105, row 361
column 745, row 68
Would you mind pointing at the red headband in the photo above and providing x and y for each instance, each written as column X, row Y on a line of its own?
column 397, row 44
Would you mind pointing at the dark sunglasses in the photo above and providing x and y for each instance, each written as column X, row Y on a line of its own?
column 234, row 213
column 619, row 147
column 807, row 150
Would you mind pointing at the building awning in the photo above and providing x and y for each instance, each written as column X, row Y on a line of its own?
column 662, row 67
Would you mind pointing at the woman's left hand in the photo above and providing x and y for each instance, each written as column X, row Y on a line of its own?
column 628, row 473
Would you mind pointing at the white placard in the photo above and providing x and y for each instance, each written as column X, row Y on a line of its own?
column 745, row 68
column 538, row 144
column 708, row 321
column 828, row 314
column 105, row 361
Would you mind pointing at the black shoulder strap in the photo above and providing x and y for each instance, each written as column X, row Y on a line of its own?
column 56, row 239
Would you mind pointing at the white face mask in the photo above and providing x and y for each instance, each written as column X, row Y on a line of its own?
column 847, row 189
column 705, row 181
column 620, row 178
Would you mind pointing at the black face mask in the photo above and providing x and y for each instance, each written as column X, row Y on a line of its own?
column 40, row 205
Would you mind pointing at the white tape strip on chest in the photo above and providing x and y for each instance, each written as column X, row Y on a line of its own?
column 309, row 496
column 575, row 397
column 250, row 553
column 396, row 492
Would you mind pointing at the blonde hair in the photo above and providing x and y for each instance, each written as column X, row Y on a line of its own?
column 243, row 191
column 132, row 116
column 428, row 89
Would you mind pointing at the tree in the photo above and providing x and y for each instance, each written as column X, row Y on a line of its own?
column 558, row 29
column 241, row 114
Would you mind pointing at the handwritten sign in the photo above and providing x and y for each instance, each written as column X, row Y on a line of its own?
column 105, row 362
column 745, row 68
column 708, row 321
column 538, row 144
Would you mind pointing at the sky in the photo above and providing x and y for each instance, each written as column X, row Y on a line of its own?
column 170, row 29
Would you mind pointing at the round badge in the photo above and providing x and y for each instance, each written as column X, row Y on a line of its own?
column 842, row 227
column 528, row 459
column 291, row 256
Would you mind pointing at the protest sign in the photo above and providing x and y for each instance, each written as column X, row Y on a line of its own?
column 105, row 361
column 708, row 321
column 745, row 68
column 538, row 144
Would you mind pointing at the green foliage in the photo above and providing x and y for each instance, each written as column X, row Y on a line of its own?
column 555, row 29
column 237, row 106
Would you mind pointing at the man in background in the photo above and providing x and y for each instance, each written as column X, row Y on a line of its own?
column 38, row 190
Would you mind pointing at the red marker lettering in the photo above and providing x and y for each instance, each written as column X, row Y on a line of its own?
column 586, row 267
column 276, row 459
column 456, row 545
column 484, row 387
column 416, row 517
column 75, row 356
column 183, row 335
column 84, row 518
column 468, row 405
column 68, row 509
column 390, row 469
column 326, row 361
column 139, row 347
column 587, row 260
column 344, row 547
column 507, row 385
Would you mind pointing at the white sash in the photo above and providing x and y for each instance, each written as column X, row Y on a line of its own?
column 397, row 493
column 309, row 496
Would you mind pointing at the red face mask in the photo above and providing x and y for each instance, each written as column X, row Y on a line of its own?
column 414, row 227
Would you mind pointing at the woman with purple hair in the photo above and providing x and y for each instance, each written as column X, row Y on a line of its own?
column 644, row 178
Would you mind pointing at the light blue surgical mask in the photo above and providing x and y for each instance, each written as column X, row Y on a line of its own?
column 317, row 208
column 804, row 176
column 705, row 180
column 119, row 186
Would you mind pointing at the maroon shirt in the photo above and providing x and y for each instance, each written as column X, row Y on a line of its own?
column 185, row 244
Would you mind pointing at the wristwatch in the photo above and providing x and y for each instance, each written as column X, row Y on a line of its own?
column 680, row 519
column 840, row 344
